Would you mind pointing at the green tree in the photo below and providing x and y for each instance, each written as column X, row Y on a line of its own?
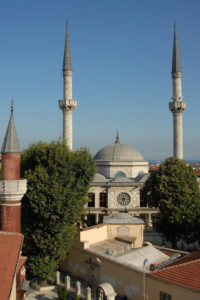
column 58, row 182
column 174, row 189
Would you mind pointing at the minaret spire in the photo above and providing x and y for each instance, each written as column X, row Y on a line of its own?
column 176, row 64
column 11, row 143
column 177, row 106
column 67, row 105
column 67, row 64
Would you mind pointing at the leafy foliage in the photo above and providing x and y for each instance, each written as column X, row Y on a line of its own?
column 58, row 182
column 62, row 293
column 174, row 189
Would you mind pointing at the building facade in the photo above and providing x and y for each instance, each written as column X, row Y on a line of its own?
column 121, row 173
column 112, row 260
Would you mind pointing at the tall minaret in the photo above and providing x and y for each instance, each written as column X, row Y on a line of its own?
column 68, row 104
column 12, row 188
column 177, row 106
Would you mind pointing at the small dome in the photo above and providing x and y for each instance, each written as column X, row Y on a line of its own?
column 122, row 218
column 118, row 152
column 99, row 178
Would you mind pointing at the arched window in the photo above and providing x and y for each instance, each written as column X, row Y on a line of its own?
column 103, row 200
column 140, row 173
column 91, row 202
column 119, row 174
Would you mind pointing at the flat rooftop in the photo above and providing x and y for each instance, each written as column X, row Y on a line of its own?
column 111, row 247
column 134, row 257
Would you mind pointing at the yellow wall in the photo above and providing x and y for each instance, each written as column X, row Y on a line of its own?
column 134, row 231
column 155, row 286
column 124, row 279
column 94, row 235
column 109, row 231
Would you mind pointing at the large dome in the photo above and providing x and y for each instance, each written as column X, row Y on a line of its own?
column 118, row 152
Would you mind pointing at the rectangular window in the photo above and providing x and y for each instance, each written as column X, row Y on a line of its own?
column 91, row 202
column 164, row 296
column 103, row 199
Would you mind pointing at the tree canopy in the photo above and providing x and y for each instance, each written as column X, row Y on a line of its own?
column 174, row 189
column 58, row 182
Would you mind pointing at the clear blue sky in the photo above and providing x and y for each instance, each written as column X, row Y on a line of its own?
column 121, row 56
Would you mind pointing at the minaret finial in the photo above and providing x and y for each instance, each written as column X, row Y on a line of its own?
column 117, row 141
column 12, row 106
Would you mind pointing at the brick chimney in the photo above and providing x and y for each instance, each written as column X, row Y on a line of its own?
column 12, row 188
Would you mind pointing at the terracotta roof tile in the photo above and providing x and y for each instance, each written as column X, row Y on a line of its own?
column 185, row 273
column 169, row 253
column 21, row 262
column 10, row 247
column 187, row 258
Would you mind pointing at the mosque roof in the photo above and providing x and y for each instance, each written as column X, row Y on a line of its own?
column 119, row 152
column 99, row 178
column 122, row 218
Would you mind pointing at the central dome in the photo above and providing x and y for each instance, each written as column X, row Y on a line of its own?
column 118, row 152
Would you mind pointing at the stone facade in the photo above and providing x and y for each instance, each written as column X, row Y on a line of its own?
column 121, row 173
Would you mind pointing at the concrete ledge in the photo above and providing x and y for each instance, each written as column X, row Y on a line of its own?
column 47, row 288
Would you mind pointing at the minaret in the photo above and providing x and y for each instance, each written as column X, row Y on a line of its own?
column 177, row 106
column 12, row 188
column 68, row 104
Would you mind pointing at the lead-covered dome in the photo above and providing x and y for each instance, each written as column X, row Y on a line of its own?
column 118, row 152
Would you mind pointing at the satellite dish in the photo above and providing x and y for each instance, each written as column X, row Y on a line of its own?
column 109, row 251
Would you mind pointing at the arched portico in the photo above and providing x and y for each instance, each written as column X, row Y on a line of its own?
column 105, row 291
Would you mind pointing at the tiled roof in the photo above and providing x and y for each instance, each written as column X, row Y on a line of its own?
column 10, row 247
column 184, row 272
column 21, row 262
column 187, row 258
column 169, row 253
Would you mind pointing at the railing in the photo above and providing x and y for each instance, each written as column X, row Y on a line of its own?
column 76, row 287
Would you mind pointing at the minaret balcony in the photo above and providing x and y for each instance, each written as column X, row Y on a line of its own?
column 177, row 106
column 67, row 104
column 12, row 190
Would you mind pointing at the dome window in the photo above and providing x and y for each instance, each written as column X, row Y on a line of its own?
column 119, row 174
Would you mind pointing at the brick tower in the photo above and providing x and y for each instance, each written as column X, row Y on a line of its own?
column 12, row 188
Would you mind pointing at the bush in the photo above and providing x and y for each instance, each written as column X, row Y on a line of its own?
column 43, row 268
column 62, row 293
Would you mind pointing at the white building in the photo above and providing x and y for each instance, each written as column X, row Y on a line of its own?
column 121, row 173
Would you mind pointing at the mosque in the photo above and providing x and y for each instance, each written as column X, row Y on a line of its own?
column 121, row 169
column 111, row 258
